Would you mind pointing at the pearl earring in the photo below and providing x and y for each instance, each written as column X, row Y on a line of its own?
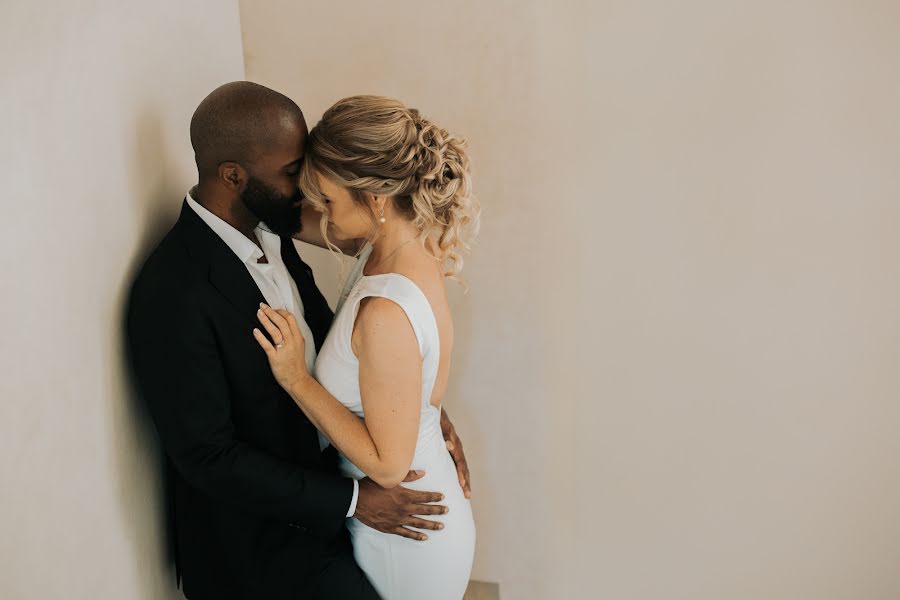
column 382, row 219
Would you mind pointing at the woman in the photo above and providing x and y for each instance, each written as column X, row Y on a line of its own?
column 379, row 171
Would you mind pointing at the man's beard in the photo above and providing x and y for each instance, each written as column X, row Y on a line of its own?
column 280, row 213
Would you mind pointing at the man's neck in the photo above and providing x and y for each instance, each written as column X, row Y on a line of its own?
column 233, row 213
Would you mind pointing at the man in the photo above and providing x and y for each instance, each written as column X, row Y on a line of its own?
column 258, row 510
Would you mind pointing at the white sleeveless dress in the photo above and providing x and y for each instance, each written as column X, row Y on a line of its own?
column 401, row 568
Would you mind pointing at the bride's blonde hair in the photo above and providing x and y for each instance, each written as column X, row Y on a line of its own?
column 377, row 145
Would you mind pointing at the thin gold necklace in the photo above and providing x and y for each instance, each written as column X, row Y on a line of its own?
column 391, row 254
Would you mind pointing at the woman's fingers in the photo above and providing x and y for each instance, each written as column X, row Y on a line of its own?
column 281, row 326
column 263, row 341
column 277, row 318
column 274, row 332
column 291, row 320
column 414, row 475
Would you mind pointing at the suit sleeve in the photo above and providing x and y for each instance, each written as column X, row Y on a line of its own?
column 180, row 374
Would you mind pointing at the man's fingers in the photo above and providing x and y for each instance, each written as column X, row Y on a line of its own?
column 457, row 450
column 466, row 482
column 459, row 458
column 461, row 473
column 409, row 533
column 462, row 467
column 423, row 524
column 428, row 509
column 413, row 475
column 417, row 497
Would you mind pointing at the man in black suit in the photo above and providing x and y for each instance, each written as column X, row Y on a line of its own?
column 257, row 509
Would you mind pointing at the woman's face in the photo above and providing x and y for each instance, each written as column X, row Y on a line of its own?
column 347, row 219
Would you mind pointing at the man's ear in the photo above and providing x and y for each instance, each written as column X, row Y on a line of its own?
column 233, row 175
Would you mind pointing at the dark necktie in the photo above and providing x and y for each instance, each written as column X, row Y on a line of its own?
column 316, row 311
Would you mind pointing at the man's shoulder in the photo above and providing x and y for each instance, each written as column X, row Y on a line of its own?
column 169, row 272
column 165, row 258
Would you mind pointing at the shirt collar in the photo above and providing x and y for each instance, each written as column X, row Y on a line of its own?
column 245, row 250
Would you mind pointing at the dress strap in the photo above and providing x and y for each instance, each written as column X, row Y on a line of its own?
column 409, row 297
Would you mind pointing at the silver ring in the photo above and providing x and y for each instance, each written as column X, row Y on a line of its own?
column 279, row 346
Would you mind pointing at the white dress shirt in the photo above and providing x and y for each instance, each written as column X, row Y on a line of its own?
column 272, row 278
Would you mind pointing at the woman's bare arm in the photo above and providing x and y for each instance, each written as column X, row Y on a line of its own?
column 390, row 381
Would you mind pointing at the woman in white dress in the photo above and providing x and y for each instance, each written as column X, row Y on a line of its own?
column 379, row 171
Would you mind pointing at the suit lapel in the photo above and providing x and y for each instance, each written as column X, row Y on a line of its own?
column 227, row 274
column 235, row 283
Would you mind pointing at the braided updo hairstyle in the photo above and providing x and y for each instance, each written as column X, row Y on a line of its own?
column 378, row 145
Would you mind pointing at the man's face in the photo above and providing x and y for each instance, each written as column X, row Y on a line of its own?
column 272, row 193
column 280, row 212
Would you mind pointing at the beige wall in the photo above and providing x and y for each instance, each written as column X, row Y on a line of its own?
column 94, row 112
column 676, row 372
column 676, row 368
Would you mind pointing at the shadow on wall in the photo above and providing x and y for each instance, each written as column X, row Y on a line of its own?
column 139, row 466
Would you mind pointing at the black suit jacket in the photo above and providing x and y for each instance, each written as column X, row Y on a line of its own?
column 256, row 506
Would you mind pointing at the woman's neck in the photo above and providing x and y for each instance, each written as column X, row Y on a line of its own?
column 391, row 242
